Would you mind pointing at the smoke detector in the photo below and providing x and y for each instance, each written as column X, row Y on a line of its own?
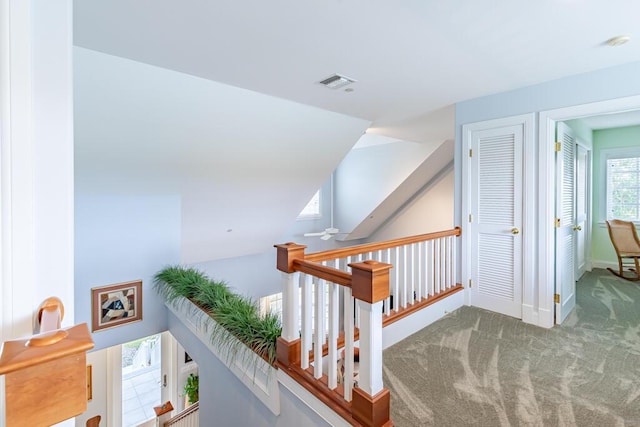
column 336, row 81
column 618, row 40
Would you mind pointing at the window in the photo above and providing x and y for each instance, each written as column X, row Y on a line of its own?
column 273, row 304
column 312, row 210
column 623, row 184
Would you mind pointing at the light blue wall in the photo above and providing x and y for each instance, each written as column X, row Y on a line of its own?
column 124, row 238
column 226, row 401
column 610, row 83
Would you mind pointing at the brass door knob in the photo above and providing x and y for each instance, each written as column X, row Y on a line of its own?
column 577, row 228
column 515, row 230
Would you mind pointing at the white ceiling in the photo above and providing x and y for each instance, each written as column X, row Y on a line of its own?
column 413, row 59
column 616, row 120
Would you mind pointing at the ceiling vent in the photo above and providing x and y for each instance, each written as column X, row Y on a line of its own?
column 336, row 81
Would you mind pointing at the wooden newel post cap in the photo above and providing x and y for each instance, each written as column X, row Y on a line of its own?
column 370, row 281
column 287, row 252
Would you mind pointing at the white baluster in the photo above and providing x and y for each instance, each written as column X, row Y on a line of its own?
column 432, row 268
column 443, row 266
column 307, row 321
column 454, row 256
column 387, row 305
column 333, row 336
column 348, row 343
column 417, row 270
column 319, row 332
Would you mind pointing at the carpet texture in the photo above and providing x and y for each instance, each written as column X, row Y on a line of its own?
column 478, row 368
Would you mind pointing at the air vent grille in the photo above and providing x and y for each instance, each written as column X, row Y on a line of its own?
column 336, row 81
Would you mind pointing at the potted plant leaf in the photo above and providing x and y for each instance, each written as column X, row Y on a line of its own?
column 191, row 389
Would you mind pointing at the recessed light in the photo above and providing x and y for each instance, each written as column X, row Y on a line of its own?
column 618, row 40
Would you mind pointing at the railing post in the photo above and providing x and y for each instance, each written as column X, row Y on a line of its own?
column 288, row 345
column 370, row 286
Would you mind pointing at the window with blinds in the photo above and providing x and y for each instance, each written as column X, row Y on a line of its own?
column 623, row 188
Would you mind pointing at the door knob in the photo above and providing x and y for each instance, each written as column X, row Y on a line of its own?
column 515, row 230
column 577, row 228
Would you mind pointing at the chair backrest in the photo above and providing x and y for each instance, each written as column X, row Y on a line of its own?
column 624, row 237
column 94, row 422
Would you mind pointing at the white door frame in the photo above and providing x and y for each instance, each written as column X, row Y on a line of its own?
column 547, row 185
column 528, row 214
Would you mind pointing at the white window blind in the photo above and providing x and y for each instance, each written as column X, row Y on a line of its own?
column 623, row 188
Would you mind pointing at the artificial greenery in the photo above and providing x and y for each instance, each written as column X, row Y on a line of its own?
column 191, row 388
column 235, row 315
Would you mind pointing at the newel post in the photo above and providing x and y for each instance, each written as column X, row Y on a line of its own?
column 370, row 286
column 288, row 345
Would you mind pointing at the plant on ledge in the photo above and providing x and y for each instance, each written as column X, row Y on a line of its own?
column 234, row 314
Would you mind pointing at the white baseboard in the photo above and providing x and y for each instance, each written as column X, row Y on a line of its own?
column 411, row 324
column 596, row 263
column 529, row 315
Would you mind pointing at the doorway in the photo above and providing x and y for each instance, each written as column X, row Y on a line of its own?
column 141, row 379
column 548, row 249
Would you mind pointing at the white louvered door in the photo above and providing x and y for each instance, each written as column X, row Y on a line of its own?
column 582, row 209
column 495, row 202
column 566, row 229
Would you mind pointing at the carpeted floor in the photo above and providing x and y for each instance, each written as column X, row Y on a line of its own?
column 478, row 368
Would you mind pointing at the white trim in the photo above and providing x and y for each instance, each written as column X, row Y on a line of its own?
column 315, row 404
column 255, row 373
column 546, row 190
column 596, row 263
column 419, row 320
column 114, row 386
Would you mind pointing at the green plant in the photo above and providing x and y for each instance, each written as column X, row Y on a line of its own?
column 235, row 316
column 191, row 388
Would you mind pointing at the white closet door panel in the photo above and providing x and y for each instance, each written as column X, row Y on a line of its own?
column 496, row 204
column 566, row 213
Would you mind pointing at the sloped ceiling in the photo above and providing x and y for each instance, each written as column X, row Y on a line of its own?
column 414, row 182
column 410, row 57
column 243, row 163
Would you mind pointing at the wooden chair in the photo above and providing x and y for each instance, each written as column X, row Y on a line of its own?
column 627, row 245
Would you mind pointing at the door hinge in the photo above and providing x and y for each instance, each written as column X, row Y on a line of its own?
column 470, row 152
column 470, row 217
column 556, row 298
column 164, row 380
column 558, row 147
column 557, row 222
column 470, row 283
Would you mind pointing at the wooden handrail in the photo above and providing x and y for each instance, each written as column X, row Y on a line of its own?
column 372, row 247
column 323, row 272
column 186, row 412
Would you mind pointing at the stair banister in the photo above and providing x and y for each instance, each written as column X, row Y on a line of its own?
column 368, row 282
column 45, row 374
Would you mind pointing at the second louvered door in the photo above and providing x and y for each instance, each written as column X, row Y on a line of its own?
column 496, row 223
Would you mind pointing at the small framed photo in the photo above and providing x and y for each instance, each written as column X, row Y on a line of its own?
column 115, row 305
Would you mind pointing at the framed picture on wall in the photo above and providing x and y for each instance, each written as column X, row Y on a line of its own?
column 116, row 305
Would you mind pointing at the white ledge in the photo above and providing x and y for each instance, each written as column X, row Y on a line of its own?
column 252, row 370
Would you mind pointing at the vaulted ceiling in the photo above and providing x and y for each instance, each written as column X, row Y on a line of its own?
column 410, row 58
column 219, row 100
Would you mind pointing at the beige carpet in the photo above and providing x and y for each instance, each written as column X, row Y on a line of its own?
column 477, row 368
